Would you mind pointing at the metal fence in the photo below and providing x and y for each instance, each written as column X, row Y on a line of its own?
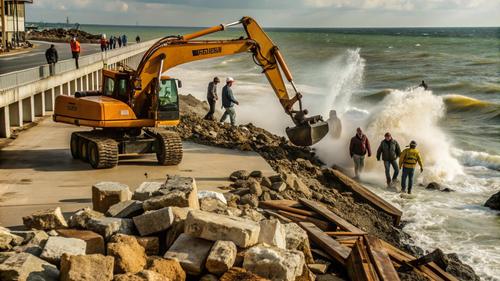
column 30, row 75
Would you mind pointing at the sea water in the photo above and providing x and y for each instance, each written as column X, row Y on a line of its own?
column 370, row 76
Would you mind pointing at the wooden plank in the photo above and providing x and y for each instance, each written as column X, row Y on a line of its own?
column 380, row 259
column 331, row 216
column 327, row 243
column 271, row 204
column 369, row 196
column 344, row 233
column 280, row 217
column 323, row 225
column 289, row 203
column 358, row 264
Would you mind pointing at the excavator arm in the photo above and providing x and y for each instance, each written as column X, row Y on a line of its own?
column 175, row 50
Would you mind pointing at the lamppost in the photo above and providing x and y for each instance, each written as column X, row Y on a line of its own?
column 4, row 34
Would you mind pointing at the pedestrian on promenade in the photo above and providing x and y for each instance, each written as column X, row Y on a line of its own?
column 111, row 42
column 124, row 40
column 119, row 39
column 389, row 150
column 75, row 50
column 212, row 98
column 137, row 39
column 228, row 102
column 358, row 148
column 408, row 161
column 52, row 58
column 104, row 43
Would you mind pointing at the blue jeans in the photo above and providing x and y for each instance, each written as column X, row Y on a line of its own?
column 232, row 115
column 387, row 166
column 407, row 172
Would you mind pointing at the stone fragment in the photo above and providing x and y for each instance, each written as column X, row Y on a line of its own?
column 52, row 232
column 169, row 268
column 274, row 263
column 306, row 275
column 81, row 217
column 256, row 174
column 45, row 220
column 301, row 187
column 239, row 175
column 221, row 257
column 244, row 233
column 297, row 239
column 129, row 255
column 232, row 199
column 278, row 186
column 146, row 190
column 276, row 178
column 234, row 212
column 107, row 227
column 106, row 193
column 209, row 277
column 8, row 239
column 25, row 266
column 212, row 194
column 56, row 246
column 318, row 268
column 251, row 199
column 94, row 241
column 265, row 181
column 240, row 274
column 176, row 191
column 34, row 241
column 265, row 196
column 255, row 188
column 144, row 275
column 191, row 253
column 154, row 221
column 251, row 214
column 125, row 209
column 212, row 205
column 95, row 267
column 151, row 244
column 272, row 232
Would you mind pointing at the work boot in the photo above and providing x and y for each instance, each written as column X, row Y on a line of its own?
column 388, row 183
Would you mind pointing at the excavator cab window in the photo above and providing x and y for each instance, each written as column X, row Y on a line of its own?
column 168, row 100
column 109, row 86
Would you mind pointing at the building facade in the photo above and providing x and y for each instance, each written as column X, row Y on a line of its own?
column 12, row 19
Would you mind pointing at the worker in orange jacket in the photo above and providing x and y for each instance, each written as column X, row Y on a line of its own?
column 75, row 50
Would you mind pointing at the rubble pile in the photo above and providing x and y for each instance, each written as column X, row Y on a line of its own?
column 62, row 35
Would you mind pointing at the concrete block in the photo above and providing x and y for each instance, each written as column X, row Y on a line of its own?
column 81, row 217
column 146, row 190
column 154, row 221
column 175, row 192
column 94, row 267
column 191, row 253
column 129, row 255
column 94, row 241
column 125, row 209
column 274, row 263
column 105, row 194
column 56, row 246
column 272, row 232
column 45, row 220
column 297, row 239
column 107, row 227
column 169, row 268
column 221, row 257
column 151, row 244
column 8, row 239
column 244, row 233
column 25, row 266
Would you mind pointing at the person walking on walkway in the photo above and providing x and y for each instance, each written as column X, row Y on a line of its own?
column 104, row 43
column 52, row 58
column 228, row 102
column 75, row 50
column 389, row 150
column 212, row 98
column 358, row 148
column 137, row 39
column 124, row 40
column 408, row 161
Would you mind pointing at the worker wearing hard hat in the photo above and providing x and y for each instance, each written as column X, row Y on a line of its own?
column 228, row 102
column 408, row 161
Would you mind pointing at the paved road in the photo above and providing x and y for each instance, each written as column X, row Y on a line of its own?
column 37, row 171
column 36, row 56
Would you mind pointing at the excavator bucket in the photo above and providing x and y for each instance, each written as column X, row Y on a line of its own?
column 308, row 133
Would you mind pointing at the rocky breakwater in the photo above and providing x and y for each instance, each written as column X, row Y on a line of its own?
column 62, row 35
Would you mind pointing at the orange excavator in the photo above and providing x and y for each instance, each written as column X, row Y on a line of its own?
column 132, row 104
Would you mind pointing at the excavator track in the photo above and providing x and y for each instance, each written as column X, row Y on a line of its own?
column 169, row 148
column 102, row 151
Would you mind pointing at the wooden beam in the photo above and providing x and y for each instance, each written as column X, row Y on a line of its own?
column 344, row 233
column 380, row 259
column 279, row 206
column 280, row 217
column 358, row 264
column 331, row 216
column 323, row 225
column 337, row 251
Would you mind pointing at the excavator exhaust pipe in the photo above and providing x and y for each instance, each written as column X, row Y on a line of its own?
column 308, row 133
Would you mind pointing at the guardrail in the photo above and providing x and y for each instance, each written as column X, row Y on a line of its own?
column 30, row 75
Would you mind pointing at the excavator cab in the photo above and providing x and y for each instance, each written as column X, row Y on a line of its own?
column 167, row 99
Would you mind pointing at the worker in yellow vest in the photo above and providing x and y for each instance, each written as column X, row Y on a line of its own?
column 408, row 161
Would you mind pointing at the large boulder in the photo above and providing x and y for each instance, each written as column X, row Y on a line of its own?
column 129, row 255
column 25, row 267
column 106, row 193
column 274, row 263
column 146, row 190
column 94, row 241
column 108, row 227
column 57, row 246
column 273, row 233
column 191, row 252
column 94, row 267
column 144, row 275
column 81, row 217
column 169, row 268
column 45, row 220
column 175, row 192
column 221, row 257
column 154, row 221
column 494, row 201
column 244, row 233
column 125, row 209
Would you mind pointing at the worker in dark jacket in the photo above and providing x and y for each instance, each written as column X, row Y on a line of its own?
column 389, row 150
column 212, row 98
column 52, row 58
column 228, row 102
column 358, row 148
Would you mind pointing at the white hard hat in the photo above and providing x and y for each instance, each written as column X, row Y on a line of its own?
column 229, row 79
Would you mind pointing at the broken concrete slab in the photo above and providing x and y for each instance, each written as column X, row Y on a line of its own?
column 297, row 239
column 107, row 227
column 274, row 263
column 244, row 233
column 154, row 221
column 146, row 190
column 169, row 268
column 129, row 255
column 107, row 193
column 151, row 244
column 95, row 267
column 221, row 257
column 272, row 232
column 81, row 217
column 176, row 192
column 45, row 220
column 94, row 241
column 125, row 209
column 212, row 194
column 25, row 266
column 191, row 252
column 56, row 246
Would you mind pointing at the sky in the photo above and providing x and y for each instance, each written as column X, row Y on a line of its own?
column 271, row 13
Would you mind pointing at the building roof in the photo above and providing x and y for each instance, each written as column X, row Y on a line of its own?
column 20, row 1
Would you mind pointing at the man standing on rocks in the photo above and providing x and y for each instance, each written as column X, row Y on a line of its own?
column 52, row 58
column 212, row 98
column 389, row 150
column 75, row 50
column 228, row 102
column 358, row 148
